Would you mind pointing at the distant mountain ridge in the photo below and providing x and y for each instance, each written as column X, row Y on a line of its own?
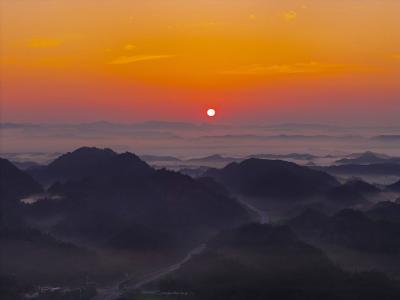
column 155, row 158
column 214, row 158
column 298, row 156
column 368, row 158
column 363, row 169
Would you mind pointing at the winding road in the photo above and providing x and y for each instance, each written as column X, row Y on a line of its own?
column 115, row 291
column 262, row 215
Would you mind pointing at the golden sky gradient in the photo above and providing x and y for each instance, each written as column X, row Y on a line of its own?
column 270, row 60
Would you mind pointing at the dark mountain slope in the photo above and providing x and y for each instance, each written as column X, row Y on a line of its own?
column 14, row 183
column 352, row 192
column 29, row 254
column 395, row 187
column 264, row 262
column 349, row 229
column 385, row 211
column 273, row 178
column 164, row 202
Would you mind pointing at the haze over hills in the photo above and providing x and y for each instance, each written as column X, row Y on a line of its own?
column 386, row 211
column 99, row 184
column 369, row 169
column 14, row 183
column 353, row 192
column 164, row 200
column 368, row 158
column 354, row 239
column 200, row 150
column 260, row 261
column 350, row 229
column 100, row 214
column 188, row 140
column 117, row 209
column 27, row 252
column 268, row 178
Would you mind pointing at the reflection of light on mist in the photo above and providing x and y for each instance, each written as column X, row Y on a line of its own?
column 183, row 139
column 38, row 197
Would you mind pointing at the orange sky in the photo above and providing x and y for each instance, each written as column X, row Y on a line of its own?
column 265, row 60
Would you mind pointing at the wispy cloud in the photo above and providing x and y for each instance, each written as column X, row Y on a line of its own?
column 289, row 15
column 308, row 67
column 44, row 43
column 129, row 47
column 136, row 58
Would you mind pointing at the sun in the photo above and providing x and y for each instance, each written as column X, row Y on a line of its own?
column 211, row 112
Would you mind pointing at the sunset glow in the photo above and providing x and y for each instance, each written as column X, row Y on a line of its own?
column 187, row 149
column 268, row 60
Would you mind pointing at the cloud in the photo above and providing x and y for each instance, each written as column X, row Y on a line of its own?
column 129, row 47
column 209, row 24
column 44, row 43
column 289, row 15
column 136, row 58
column 308, row 67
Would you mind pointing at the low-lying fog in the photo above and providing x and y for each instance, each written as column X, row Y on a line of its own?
column 187, row 140
column 178, row 145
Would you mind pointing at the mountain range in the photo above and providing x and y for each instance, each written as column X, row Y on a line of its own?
column 368, row 158
column 100, row 213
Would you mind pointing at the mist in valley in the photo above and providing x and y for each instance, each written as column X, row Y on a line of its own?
column 137, row 215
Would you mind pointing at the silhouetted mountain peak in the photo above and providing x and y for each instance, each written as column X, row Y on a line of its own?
column 130, row 163
column 367, row 157
column 272, row 178
column 82, row 155
column 362, row 186
column 92, row 162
